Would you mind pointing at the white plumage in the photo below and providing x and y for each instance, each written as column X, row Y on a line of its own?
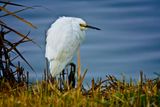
column 63, row 39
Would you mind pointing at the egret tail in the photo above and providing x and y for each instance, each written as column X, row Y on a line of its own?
column 55, row 67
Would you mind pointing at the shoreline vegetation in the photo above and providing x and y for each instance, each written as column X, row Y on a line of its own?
column 109, row 92
column 16, row 91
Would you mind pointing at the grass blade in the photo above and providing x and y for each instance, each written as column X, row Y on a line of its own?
column 17, row 11
column 20, row 34
column 21, row 19
column 13, row 47
column 24, row 59
column 14, row 4
column 15, row 44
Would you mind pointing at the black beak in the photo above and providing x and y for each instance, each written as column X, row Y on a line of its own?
column 92, row 27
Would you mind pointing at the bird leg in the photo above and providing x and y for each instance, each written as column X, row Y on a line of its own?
column 62, row 79
column 71, row 77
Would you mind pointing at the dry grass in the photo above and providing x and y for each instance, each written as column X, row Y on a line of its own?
column 109, row 92
column 16, row 92
column 11, row 72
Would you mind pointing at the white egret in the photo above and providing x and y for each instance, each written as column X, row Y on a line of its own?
column 63, row 39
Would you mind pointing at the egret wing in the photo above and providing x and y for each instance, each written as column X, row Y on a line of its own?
column 62, row 42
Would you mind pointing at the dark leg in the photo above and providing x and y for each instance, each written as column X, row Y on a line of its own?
column 62, row 79
column 63, row 76
column 71, row 77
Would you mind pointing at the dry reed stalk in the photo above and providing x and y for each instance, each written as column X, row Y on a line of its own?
column 79, row 65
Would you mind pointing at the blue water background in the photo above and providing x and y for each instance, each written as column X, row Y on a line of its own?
column 128, row 42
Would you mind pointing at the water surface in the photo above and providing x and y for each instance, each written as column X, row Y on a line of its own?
column 127, row 43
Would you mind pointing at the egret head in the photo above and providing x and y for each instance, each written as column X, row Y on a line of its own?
column 82, row 24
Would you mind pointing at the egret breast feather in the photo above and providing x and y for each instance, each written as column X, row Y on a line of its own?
column 63, row 39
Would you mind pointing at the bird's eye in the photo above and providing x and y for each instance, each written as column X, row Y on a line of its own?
column 82, row 26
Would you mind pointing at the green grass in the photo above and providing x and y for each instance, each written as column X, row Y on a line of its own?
column 109, row 92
